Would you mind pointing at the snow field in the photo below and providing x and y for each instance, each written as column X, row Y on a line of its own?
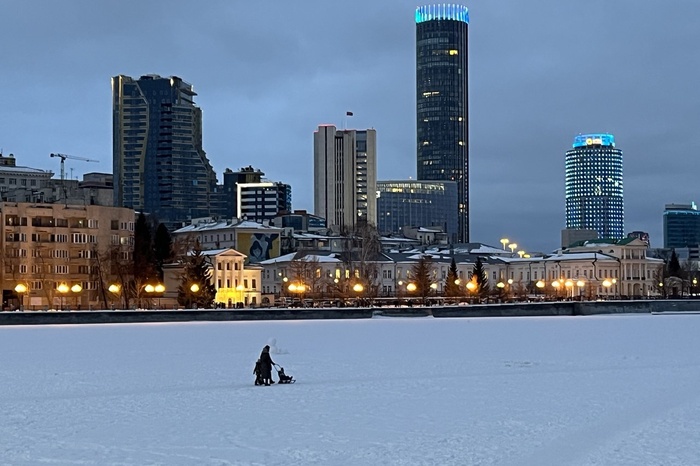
column 605, row 390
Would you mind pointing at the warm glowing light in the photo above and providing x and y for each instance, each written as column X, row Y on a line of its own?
column 569, row 284
column 150, row 288
column 292, row 287
column 160, row 288
column 114, row 288
column 358, row 288
column 556, row 284
column 512, row 246
column 501, row 285
column 194, row 288
column 457, row 282
column 76, row 288
column 607, row 283
column 521, row 253
column 21, row 288
column 240, row 287
column 504, row 241
column 510, row 281
column 471, row 286
column 580, row 283
column 539, row 284
column 411, row 287
column 63, row 288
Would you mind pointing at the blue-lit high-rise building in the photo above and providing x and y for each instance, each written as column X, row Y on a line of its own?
column 594, row 194
column 411, row 203
column 442, row 104
column 681, row 226
column 159, row 165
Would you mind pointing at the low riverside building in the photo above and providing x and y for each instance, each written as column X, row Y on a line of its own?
column 586, row 270
column 62, row 256
column 235, row 282
column 257, row 241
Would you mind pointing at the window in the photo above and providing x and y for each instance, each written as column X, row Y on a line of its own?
column 245, row 283
column 254, row 284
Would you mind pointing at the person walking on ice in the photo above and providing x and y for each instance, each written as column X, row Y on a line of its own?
column 266, row 364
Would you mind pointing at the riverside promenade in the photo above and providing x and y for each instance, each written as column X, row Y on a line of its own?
column 560, row 308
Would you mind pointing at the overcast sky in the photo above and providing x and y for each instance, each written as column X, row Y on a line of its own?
column 268, row 73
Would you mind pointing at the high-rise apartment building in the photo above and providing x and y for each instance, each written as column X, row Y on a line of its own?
column 594, row 195
column 345, row 176
column 263, row 201
column 681, row 225
column 442, row 103
column 159, row 164
column 230, row 187
column 403, row 203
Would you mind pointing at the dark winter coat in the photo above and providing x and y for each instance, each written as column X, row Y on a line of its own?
column 266, row 363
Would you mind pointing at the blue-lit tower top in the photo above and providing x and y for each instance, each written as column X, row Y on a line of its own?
column 449, row 11
column 595, row 139
column 594, row 188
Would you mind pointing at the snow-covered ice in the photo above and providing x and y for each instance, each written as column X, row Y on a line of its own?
column 604, row 390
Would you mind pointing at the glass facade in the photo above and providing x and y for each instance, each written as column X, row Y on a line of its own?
column 417, row 204
column 681, row 226
column 594, row 191
column 159, row 164
column 442, row 110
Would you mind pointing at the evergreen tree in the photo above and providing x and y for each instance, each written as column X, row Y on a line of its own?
column 195, row 287
column 421, row 273
column 674, row 266
column 452, row 287
column 482, row 281
column 144, row 258
column 162, row 248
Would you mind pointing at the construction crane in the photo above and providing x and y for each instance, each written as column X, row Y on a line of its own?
column 72, row 157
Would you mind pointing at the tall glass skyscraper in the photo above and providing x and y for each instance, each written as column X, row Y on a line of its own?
column 594, row 195
column 442, row 110
column 159, row 165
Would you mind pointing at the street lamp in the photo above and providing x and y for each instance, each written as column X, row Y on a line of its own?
column 76, row 289
column 194, row 288
column 63, row 289
column 580, row 285
column 607, row 284
column 540, row 284
column 21, row 288
column 521, row 253
column 115, row 290
column 512, row 247
column 504, row 241
column 569, row 287
column 158, row 288
column 556, row 284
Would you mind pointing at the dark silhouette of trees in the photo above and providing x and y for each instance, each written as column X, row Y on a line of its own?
column 452, row 286
column 480, row 278
column 195, row 287
column 421, row 274
column 162, row 248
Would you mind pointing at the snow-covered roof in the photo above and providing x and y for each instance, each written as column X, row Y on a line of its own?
column 224, row 224
column 286, row 258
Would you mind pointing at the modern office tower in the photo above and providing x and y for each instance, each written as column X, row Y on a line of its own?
column 345, row 176
column 402, row 203
column 594, row 195
column 159, row 164
column 442, row 103
column 263, row 200
column 230, row 191
column 681, row 225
